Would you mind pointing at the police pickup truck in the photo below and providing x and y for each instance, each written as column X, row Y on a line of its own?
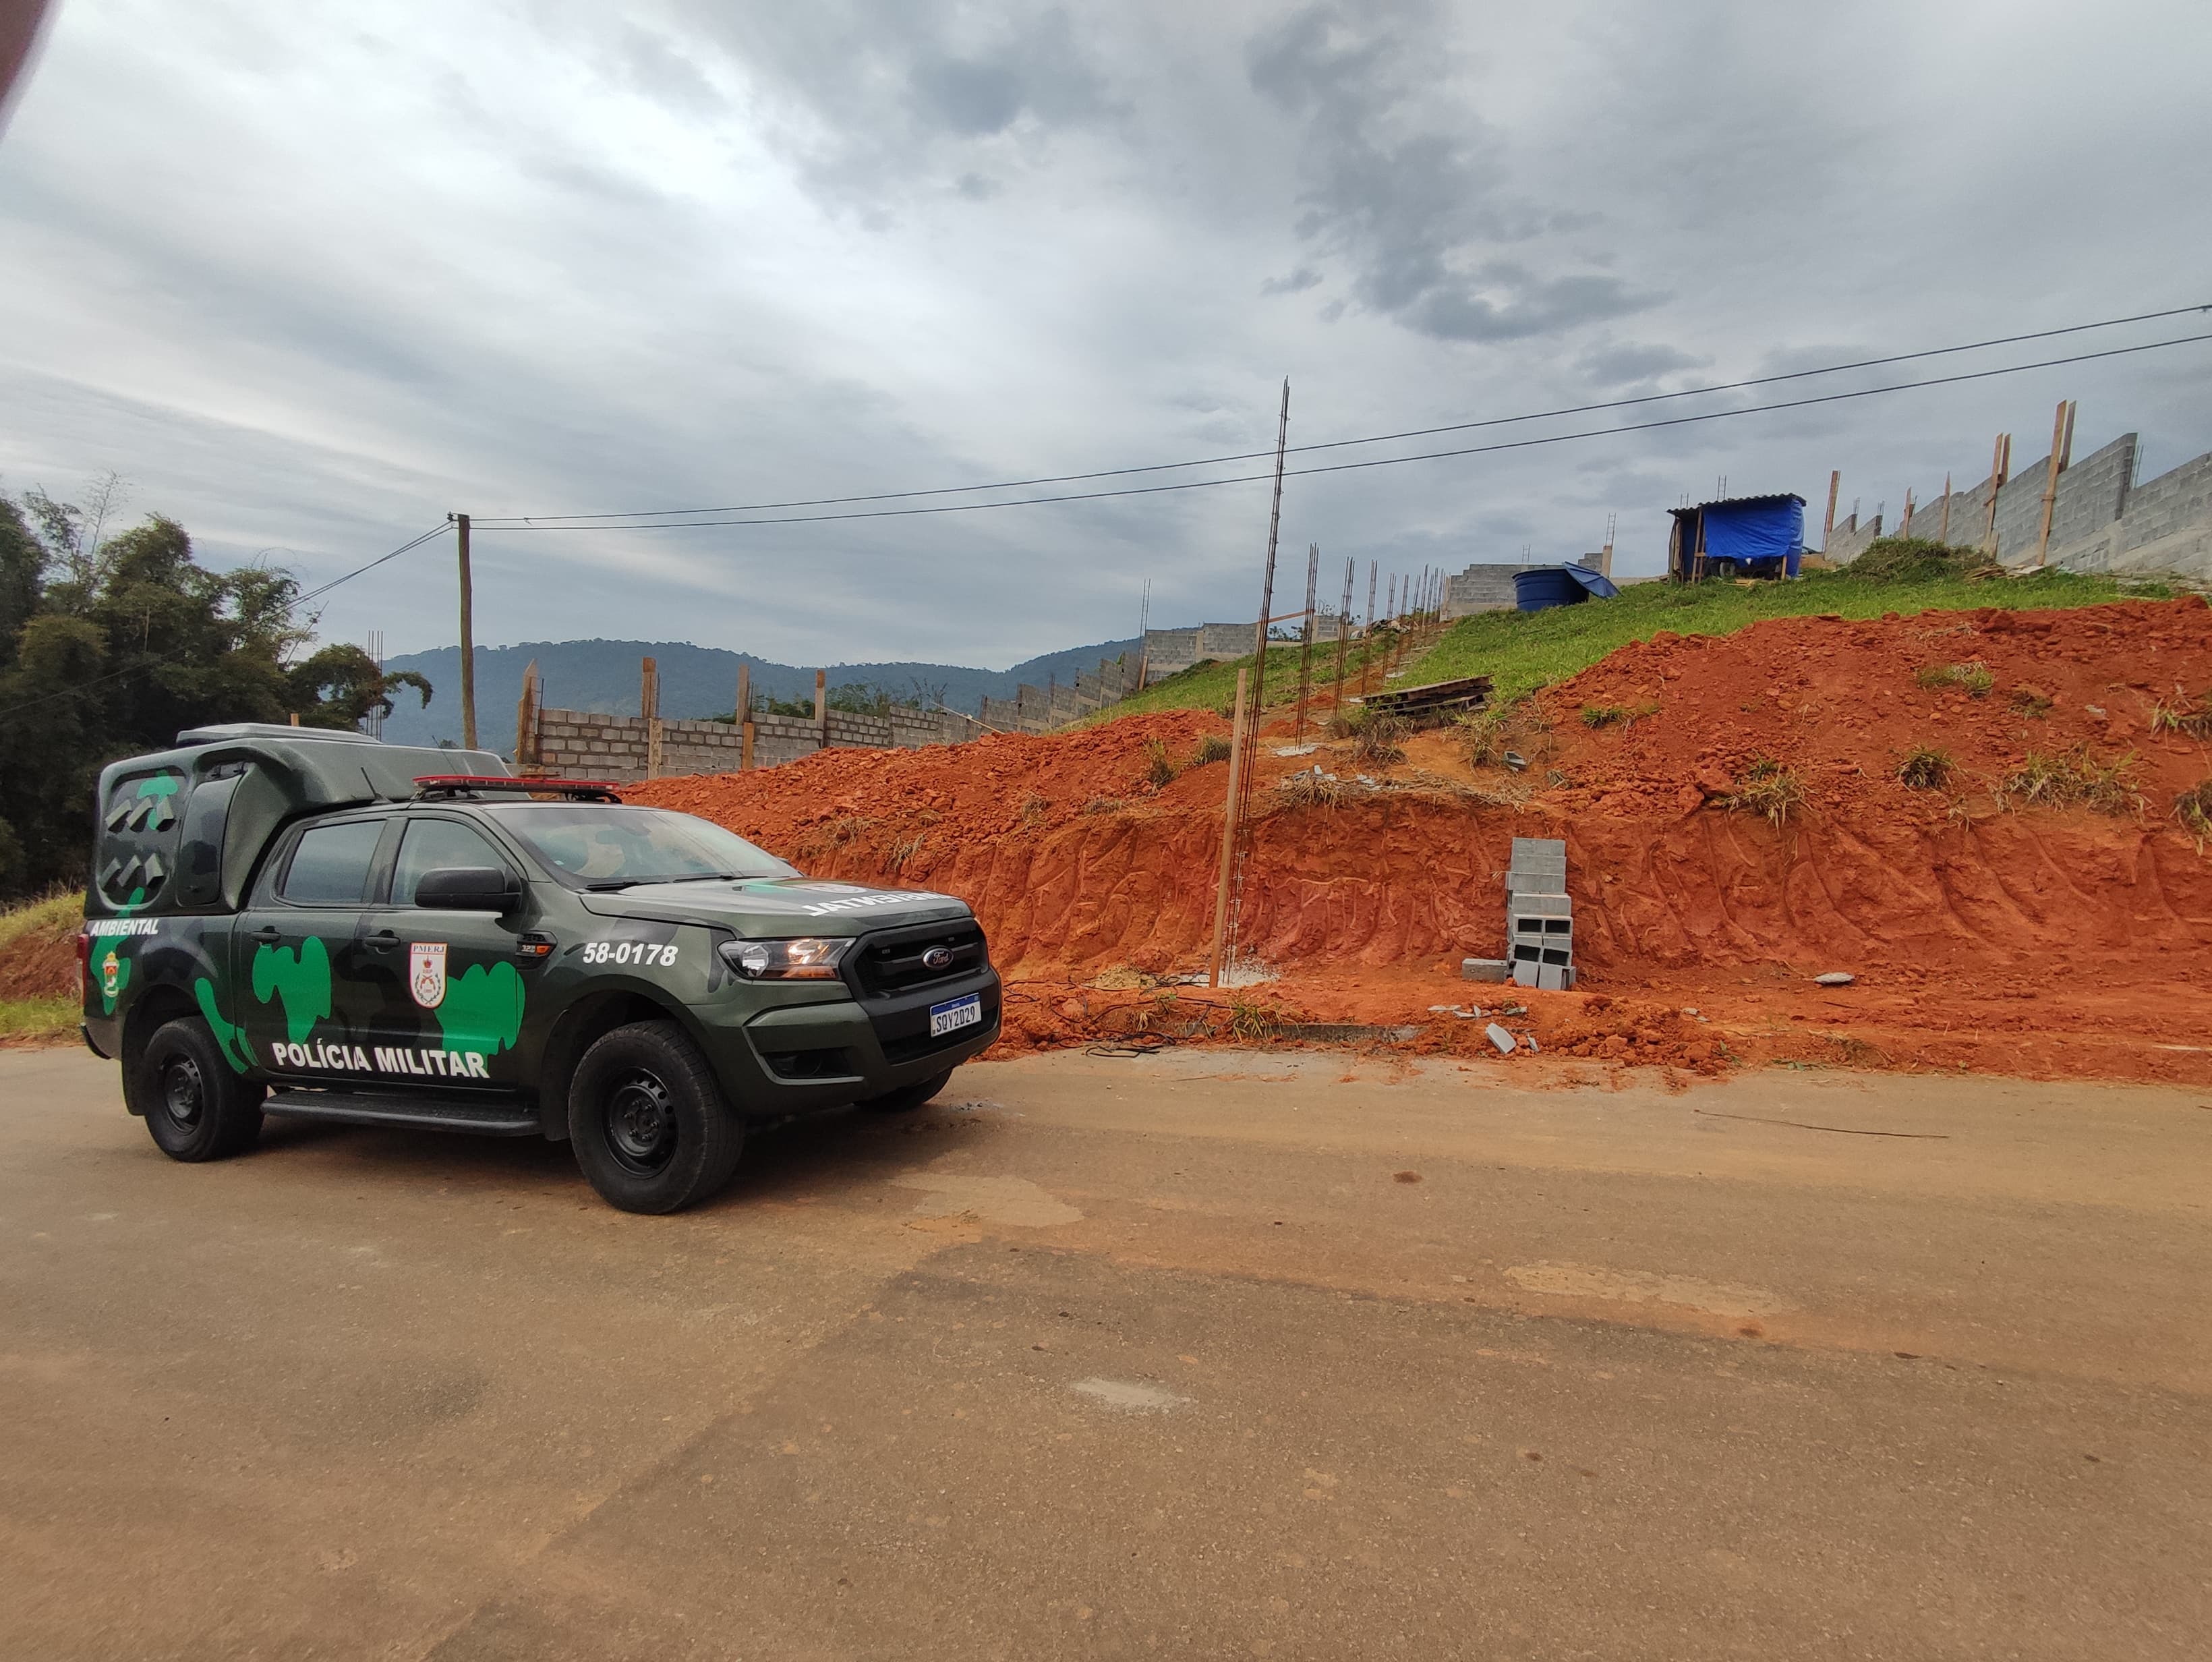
column 287, row 921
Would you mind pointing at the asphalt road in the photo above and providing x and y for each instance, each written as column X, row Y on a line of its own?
column 1201, row 1354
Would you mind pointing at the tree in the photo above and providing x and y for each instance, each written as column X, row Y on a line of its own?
column 341, row 686
column 110, row 647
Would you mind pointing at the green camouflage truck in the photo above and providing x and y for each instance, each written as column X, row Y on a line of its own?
column 282, row 920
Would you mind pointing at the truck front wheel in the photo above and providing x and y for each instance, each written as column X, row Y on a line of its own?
column 196, row 1107
column 647, row 1120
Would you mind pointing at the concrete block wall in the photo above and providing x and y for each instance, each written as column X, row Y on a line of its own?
column 2100, row 521
column 1170, row 651
column 1486, row 587
column 585, row 743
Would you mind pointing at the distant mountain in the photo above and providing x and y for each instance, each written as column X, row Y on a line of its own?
column 694, row 681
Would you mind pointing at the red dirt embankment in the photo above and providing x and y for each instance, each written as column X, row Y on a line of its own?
column 2018, row 938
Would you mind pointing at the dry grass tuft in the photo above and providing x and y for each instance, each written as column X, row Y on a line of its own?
column 1033, row 809
column 1103, row 804
column 901, row 853
column 1377, row 743
column 1974, row 676
column 2029, row 701
column 2193, row 808
column 1768, row 790
column 2074, row 778
column 1924, row 769
column 1211, row 749
column 1311, row 789
column 2183, row 716
column 1158, row 768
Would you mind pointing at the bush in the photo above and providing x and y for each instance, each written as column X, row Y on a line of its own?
column 1919, row 559
column 1376, row 742
column 1211, row 749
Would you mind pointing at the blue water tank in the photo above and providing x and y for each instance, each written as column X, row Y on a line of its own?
column 1545, row 587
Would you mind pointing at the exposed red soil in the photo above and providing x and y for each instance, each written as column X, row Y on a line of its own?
column 41, row 964
column 2038, row 941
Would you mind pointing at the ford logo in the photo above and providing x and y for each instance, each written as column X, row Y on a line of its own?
column 937, row 958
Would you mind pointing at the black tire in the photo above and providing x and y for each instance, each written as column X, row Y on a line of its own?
column 196, row 1105
column 908, row 1097
column 648, row 1121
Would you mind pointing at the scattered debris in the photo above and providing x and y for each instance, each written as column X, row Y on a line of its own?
column 1500, row 1038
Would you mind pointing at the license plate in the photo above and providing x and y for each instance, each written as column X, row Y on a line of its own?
column 954, row 1015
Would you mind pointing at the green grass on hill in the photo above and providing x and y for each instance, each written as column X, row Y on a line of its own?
column 1524, row 651
column 1521, row 651
column 1213, row 686
column 61, row 910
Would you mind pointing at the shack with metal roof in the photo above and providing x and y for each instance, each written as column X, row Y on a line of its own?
column 1737, row 537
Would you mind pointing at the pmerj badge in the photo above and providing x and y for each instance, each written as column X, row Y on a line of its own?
column 426, row 972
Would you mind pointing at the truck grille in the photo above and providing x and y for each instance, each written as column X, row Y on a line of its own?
column 893, row 961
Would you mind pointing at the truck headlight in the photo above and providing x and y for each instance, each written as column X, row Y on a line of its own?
column 803, row 959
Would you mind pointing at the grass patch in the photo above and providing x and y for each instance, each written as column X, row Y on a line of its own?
column 1924, row 769
column 2193, row 808
column 2030, row 701
column 1605, row 715
column 1211, row 749
column 1768, row 790
column 2073, row 778
column 1212, row 686
column 39, row 1018
column 1920, row 559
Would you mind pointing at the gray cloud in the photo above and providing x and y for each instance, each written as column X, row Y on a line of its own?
column 1406, row 184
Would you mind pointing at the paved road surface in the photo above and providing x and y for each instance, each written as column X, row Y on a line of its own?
column 1201, row 1354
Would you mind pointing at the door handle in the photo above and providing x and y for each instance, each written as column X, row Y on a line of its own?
column 383, row 940
column 266, row 934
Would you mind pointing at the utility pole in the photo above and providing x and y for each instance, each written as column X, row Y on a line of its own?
column 468, row 638
column 1267, row 584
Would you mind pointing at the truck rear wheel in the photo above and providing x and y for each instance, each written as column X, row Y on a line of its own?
column 196, row 1105
column 648, row 1121
column 908, row 1096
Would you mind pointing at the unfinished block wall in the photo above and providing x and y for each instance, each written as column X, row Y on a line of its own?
column 585, row 743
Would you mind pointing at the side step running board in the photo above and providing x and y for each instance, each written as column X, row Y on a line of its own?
column 500, row 1118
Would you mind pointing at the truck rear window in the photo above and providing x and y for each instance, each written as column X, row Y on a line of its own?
column 595, row 844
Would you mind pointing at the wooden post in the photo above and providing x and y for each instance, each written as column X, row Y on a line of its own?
column 1236, row 731
column 1943, row 521
column 1305, row 644
column 1828, row 525
column 648, row 700
column 1905, row 529
column 822, row 709
column 1143, row 640
column 2000, row 467
column 525, row 720
column 2061, row 448
column 468, row 637
column 744, row 718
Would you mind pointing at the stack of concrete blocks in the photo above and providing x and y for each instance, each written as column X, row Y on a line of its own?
column 1539, row 918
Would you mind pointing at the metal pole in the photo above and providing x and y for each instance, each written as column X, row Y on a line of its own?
column 1367, row 626
column 1267, row 584
column 1343, row 639
column 468, row 639
column 1306, row 642
column 1228, row 821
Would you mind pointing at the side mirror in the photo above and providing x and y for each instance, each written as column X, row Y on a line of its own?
column 468, row 889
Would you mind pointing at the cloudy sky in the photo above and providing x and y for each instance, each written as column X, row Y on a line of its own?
column 310, row 275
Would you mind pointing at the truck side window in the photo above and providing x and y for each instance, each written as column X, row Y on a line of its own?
column 331, row 865
column 432, row 845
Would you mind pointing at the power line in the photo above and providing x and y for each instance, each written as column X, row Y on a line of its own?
column 404, row 548
column 513, row 521
column 1379, row 461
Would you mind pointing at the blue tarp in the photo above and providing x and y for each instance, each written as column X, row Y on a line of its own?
column 1596, row 584
column 1760, row 528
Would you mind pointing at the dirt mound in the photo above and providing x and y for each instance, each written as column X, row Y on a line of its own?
column 1080, row 861
column 39, row 960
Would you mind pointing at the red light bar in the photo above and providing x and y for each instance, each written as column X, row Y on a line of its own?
column 604, row 790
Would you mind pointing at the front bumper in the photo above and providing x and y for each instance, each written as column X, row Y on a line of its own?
column 794, row 1059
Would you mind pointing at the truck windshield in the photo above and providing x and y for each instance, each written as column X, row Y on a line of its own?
column 615, row 847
